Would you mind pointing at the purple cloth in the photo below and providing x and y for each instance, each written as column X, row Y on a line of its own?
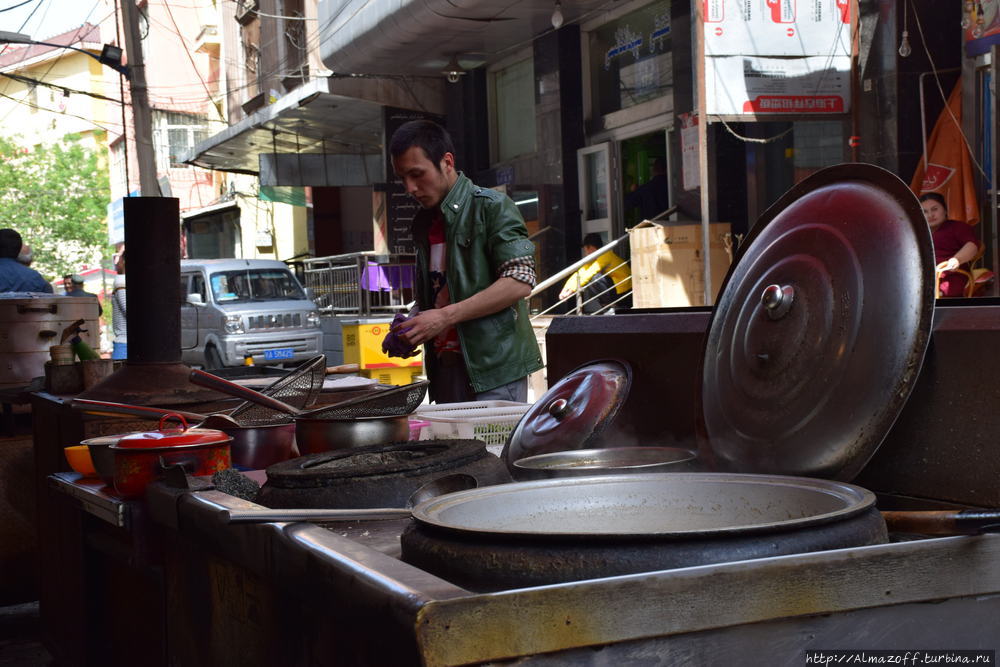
column 377, row 278
column 392, row 344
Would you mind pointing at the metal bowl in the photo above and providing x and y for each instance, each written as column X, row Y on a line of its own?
column 609, row 461
column 103, row 456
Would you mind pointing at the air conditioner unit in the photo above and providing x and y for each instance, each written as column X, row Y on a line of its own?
column 245, row 10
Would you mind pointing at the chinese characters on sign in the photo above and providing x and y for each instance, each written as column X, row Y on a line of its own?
column 777, row 56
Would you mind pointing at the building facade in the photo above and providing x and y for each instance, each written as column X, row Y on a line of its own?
column 568, row 109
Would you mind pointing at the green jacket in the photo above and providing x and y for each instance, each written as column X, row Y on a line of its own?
column 483, row 229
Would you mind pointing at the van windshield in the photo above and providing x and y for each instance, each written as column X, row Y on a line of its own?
column 255, row 285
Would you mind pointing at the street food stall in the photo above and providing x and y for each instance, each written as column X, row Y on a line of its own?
column 807, row 535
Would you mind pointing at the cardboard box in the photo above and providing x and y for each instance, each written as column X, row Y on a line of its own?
column 668, row 263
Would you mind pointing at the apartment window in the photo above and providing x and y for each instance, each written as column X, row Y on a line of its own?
column 174, row 135
column 514, row 104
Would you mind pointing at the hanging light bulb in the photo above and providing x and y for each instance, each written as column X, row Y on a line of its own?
column 557, row 15
column 453, row 72
column 904, row 45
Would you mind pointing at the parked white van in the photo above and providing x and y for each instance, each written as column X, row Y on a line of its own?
column 234, row 308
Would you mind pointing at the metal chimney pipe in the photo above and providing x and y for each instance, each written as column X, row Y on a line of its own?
column 153, row 269
column 153, row 373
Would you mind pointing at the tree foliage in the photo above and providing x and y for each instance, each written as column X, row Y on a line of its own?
column 56, row 196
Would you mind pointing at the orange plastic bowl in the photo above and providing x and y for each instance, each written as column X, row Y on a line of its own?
column 79, row 460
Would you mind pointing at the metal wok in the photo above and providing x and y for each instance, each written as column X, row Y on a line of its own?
column 314, row 434
column 552, row 531
column 608, row 461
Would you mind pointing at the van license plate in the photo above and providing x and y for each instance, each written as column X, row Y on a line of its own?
column 280, row 353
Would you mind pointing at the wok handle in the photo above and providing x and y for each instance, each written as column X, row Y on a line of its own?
column 268, row 515
column 343, row 368
column 107, row 408
column 203, row 379
column 944, row 522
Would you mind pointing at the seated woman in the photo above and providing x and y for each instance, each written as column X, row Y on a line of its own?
column 955, row 244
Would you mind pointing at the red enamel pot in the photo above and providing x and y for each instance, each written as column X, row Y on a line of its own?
column 142, row 457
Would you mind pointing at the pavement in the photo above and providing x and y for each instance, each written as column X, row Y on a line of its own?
column 20, row 637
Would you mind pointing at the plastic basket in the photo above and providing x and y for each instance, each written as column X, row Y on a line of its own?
column 471, row 405
column 416, row 427
column 492, row 425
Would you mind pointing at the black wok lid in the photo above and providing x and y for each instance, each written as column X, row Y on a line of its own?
column 572, row 414
column 821, row 328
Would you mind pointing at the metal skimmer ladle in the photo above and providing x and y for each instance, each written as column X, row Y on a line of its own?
column 107, row 408
column 438, row 487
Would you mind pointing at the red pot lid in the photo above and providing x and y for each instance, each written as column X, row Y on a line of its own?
column 172, row 437
column 572, row 414
column 820, row 329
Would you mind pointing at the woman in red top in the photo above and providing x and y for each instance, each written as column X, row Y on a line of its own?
column 955, row 244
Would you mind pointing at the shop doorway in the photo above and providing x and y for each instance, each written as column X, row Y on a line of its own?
column 644, row 177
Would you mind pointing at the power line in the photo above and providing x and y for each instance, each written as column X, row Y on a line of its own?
column 66, row 91
column 76, row 36
column 194, row 66
column 7, row 46
column 20, row 4
column 62, row 113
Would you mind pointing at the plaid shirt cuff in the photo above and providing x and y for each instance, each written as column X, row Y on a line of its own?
column 521, row 269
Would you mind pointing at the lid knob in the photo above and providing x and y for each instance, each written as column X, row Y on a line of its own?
column 558, row 408
column 777, row 300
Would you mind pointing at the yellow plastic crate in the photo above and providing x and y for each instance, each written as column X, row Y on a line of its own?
column 363, row 346
column 396, row 376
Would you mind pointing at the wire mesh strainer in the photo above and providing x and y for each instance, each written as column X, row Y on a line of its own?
column 298, row 389
column 386, row 403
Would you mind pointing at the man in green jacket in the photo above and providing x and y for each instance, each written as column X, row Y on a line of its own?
column 475, row 268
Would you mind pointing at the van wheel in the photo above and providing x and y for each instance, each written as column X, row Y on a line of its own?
column 213, row 360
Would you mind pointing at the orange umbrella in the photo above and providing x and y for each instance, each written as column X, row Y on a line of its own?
column 949, row 169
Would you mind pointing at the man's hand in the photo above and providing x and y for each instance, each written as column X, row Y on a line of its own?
column 425, row 326
column 566, row 291
column 502, row 293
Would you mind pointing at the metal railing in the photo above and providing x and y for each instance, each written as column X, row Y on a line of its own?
column 581, row 302
column 361, row 283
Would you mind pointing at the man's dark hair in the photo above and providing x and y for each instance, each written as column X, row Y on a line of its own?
column 659, row 166
column 428, row 135
column 934, row 196
column 10, row 243
column 593, row 239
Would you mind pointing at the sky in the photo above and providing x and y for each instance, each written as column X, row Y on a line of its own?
column 48, row 17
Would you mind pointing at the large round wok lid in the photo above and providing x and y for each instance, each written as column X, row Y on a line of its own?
column 663, row 505
column 821, row 328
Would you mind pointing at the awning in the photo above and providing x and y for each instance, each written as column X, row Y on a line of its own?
column 213, row 209
column 420, row 36
column 310, row 119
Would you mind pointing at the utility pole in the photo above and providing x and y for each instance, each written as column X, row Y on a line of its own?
column 141, row 115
